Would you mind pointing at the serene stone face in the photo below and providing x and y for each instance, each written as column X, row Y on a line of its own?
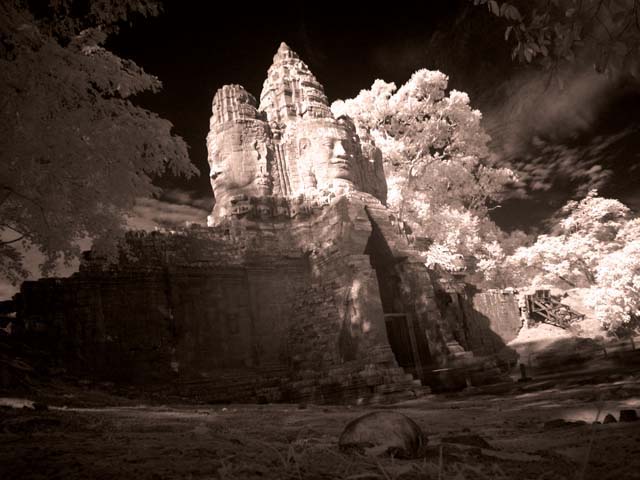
column 327, row 153
column 239, row 158
column 290, row 146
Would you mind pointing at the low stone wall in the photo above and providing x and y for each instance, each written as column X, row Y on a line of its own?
column 239, row 311
column 492, row 319
column 500, row 307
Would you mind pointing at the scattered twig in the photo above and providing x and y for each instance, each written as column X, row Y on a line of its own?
column 9, row 242
column 270, row 447
column 384, row 472
column 591, row 437
column 292, row 455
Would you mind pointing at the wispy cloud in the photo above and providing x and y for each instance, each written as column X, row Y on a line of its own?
column 554, row 105
column 7, row 290
column 578, row 168
column 173, row 209
column 549, row 129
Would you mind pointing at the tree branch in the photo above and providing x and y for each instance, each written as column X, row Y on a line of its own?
column 8, row 242
column 21, row 195
column 540, row 269
column 13, row 229
column 567, row 281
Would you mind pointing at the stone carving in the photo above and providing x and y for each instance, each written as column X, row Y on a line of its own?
column 240, row 152
column 291, row 91
column 303, row 290
column 327, row 155
column 291, row 148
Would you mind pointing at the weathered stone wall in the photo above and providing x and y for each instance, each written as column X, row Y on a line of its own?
column 173, row 307
column 498, row 310
column 295, row 291
column 479, row 322
column 329, row 361
column 201, row 304
column 102, row 326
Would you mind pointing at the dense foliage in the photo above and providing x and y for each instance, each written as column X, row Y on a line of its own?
column 76, row 151
column 595, row 244
column 603, row 33
column 442, row 185
column 441, row 182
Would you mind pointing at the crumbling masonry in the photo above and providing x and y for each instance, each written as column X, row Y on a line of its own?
column 302, row 287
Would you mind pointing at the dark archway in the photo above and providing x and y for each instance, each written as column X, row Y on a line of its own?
column 406, row 339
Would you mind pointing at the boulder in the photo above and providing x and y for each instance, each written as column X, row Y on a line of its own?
column 384, row 433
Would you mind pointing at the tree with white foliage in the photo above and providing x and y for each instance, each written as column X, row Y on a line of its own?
column 460, row 234
column 436, row 160
column 616, row 296
column 597, row 246
column 571, row 255
column 75, row 150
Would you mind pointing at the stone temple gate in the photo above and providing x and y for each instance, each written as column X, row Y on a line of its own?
column 301, row 287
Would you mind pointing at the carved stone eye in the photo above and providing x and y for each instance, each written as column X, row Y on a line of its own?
column 304, row 144
column 215, row 172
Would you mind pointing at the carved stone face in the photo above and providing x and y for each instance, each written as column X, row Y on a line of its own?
column 327, row 150
column 239, row 161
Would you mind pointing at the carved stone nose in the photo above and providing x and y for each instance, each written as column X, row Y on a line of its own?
column 338, row 149
column 215, row 172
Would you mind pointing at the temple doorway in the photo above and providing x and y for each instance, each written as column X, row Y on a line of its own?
column 407, row 341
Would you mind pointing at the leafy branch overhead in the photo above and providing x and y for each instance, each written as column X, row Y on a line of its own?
column 603, row 33
column 76, row 151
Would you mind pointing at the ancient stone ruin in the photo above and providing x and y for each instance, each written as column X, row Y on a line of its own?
column 289, row 154
column 302, row 288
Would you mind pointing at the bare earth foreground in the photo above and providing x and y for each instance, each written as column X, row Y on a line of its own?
column 532, row 430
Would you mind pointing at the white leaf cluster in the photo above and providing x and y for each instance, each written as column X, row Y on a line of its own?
column 435, row 156
column 596, row 245
column 616, row 297
column 587, row 233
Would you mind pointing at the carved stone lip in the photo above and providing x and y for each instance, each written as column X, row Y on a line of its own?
column 341, row 160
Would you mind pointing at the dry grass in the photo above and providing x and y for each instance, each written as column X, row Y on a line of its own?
column 286, row 442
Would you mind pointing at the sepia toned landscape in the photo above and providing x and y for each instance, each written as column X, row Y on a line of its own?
column 323, row 274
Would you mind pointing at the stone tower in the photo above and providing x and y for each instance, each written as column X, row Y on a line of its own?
column 290, row 146
column 301, row 288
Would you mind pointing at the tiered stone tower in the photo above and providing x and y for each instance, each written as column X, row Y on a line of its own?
column 291, row 146
column 302, row 288
column 291, row 92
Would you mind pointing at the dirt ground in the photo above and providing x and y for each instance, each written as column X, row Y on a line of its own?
column 541, row 429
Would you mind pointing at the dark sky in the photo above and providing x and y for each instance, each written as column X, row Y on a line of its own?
column 196, row 47
column 561, row 141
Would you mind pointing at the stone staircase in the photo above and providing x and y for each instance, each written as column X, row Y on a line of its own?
column 466, row 370
column 368, row 384
column 256, row 385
